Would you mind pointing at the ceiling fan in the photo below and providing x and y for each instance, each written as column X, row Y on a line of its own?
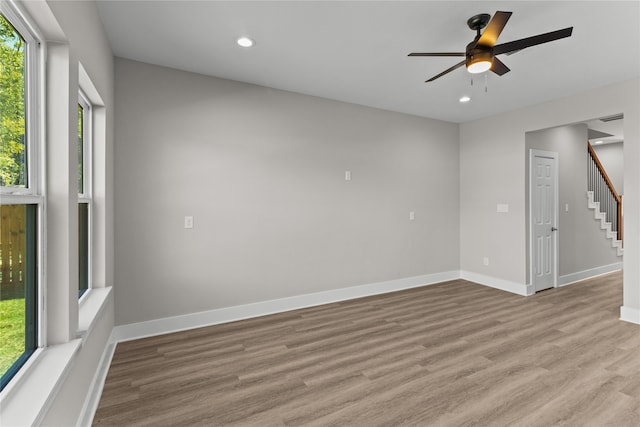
column 481, row 53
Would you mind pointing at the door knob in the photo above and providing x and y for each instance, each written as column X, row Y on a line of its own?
column 554, row 229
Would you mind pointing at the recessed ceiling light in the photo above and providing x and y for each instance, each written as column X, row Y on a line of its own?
column 245, row 42
column 464, row 99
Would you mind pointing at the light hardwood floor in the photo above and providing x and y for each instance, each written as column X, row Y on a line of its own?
column 452, row 354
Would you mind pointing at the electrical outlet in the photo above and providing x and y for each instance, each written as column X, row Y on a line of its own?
column 347, row 175
column 188, row 222
column 412, row 216
column 485, row 261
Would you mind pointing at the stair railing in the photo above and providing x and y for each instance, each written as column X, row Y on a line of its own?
column 604, row 192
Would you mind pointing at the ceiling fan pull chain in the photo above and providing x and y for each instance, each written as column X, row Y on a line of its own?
column 471, row 80
column 486, row 83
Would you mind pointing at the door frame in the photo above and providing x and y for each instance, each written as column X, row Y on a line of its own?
column 533, row 153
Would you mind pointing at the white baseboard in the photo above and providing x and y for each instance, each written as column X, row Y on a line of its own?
column 587, row 274
column 229, row 314
column 97, row 384
column 629, row 314
column 494, row 282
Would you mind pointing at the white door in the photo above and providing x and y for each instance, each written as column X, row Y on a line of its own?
column 544, row 214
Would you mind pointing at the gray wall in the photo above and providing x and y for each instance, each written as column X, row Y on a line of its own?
column 492, row 153
column 612, row 158
column 262, row 172
column 582, row 243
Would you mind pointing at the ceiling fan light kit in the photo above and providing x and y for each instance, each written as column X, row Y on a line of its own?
column 480, row 54
column 479, row 62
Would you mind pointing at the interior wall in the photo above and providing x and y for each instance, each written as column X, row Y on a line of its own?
column 492, row 155
column 612, row 158
column 75, row 28
column 88, row 45
column 582, row 244
column 262, row 172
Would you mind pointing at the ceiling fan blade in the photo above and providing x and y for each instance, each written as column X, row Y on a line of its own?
column 448, row 70
column 532, row 41
column 498, row 67
column 437, row 54
column 490, row 35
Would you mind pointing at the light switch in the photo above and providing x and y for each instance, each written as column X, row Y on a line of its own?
column 188, row 222
column 566, row 207
column 412, row 216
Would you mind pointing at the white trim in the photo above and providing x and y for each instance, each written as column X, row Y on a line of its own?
column 27, row 404
column 92, row 305
column 23, row 199
column 35, row 145
column 33, row 70
column 89, row 90
column 87, row 145
column 22, row 375
column 630, row 314
column 568, row 279
column 552, row 155
column 229, row 314
column 17, row 9
column 85, row 197
column 94, row 393
column 497, row 283
column 35, row 387
column 91, row 309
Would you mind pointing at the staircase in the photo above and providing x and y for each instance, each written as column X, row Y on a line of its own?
column 604, row 200
column 598, row 215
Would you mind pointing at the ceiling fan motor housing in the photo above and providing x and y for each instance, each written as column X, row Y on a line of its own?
column 476, row 53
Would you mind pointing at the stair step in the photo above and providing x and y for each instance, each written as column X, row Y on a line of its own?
column 604, row 224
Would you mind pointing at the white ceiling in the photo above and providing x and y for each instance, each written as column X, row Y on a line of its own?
column 612, row 131
column 356, row 51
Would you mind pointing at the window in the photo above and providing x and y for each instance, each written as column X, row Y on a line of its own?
column 84, row 193
column 18, row 310
column 20, row 202
column 13, row 165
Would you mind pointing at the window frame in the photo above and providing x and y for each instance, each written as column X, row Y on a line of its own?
column 32, row 308
column 33, row 191
column 33, row 85
column 87, row 122
column 86, row 196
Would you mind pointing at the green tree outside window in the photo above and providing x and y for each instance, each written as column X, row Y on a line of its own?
column 13, row 170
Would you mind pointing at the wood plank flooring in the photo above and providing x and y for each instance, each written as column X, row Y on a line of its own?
column 452, row 354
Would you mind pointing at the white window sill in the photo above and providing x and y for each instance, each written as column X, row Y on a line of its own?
column 91, row 305
column 26, row 399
